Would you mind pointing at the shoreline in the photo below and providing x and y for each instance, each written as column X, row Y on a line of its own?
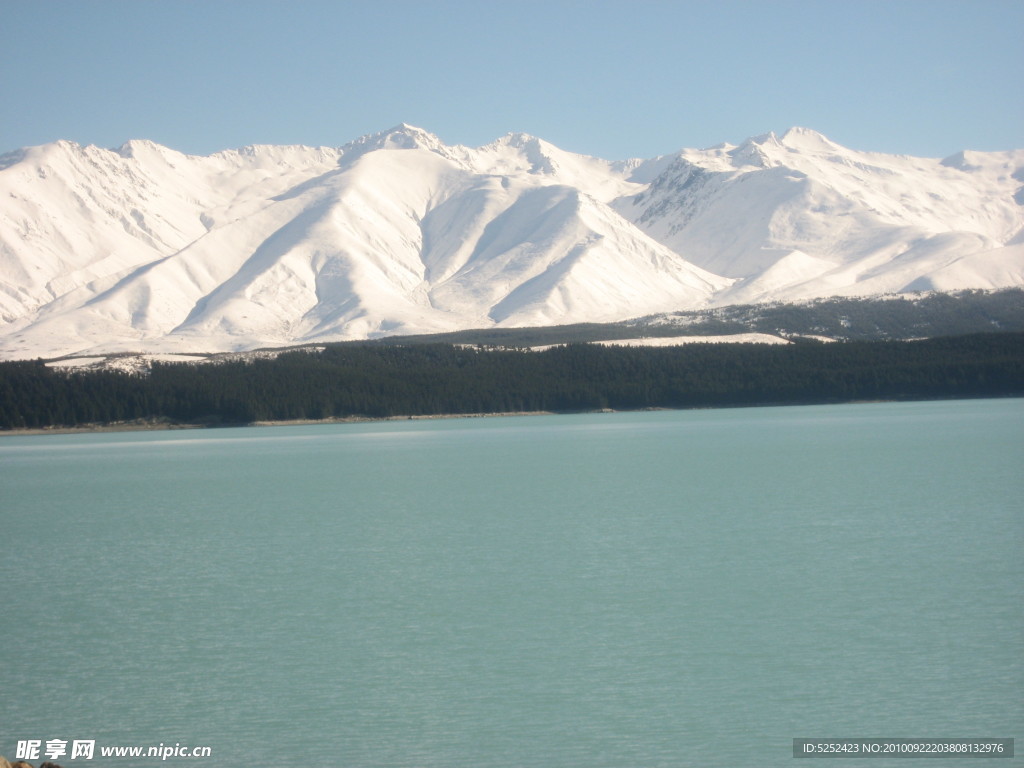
column 414, row 417
column 156, row 426
column 160, row 426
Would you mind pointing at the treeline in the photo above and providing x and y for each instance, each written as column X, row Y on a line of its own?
column 903, row 316
column 381, row 380
column 869, row 318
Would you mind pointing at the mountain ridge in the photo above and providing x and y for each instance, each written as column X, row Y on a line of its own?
column 147, row 248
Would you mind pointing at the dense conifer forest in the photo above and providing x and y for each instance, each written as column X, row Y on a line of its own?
column 384, row 380
column 869, row 318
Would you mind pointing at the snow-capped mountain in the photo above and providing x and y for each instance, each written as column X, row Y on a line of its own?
column 146, row 249
column 797, row 216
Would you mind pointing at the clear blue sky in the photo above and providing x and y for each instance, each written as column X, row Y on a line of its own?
column 613, row 78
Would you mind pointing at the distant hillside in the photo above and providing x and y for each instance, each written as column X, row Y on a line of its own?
column 842, row 319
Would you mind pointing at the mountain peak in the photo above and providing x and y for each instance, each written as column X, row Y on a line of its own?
column 401, row 136
column 770, row 149
column 133, row 147
column 518, row 139
column 807, row 140
column 756, row 151
column 537, row 152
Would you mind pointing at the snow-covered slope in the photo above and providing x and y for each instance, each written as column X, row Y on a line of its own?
column 797, row 216
column 146, row 249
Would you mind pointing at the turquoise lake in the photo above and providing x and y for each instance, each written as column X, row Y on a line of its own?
column 672, row 588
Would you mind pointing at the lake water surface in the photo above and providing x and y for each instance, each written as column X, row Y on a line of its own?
column 691, row 588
